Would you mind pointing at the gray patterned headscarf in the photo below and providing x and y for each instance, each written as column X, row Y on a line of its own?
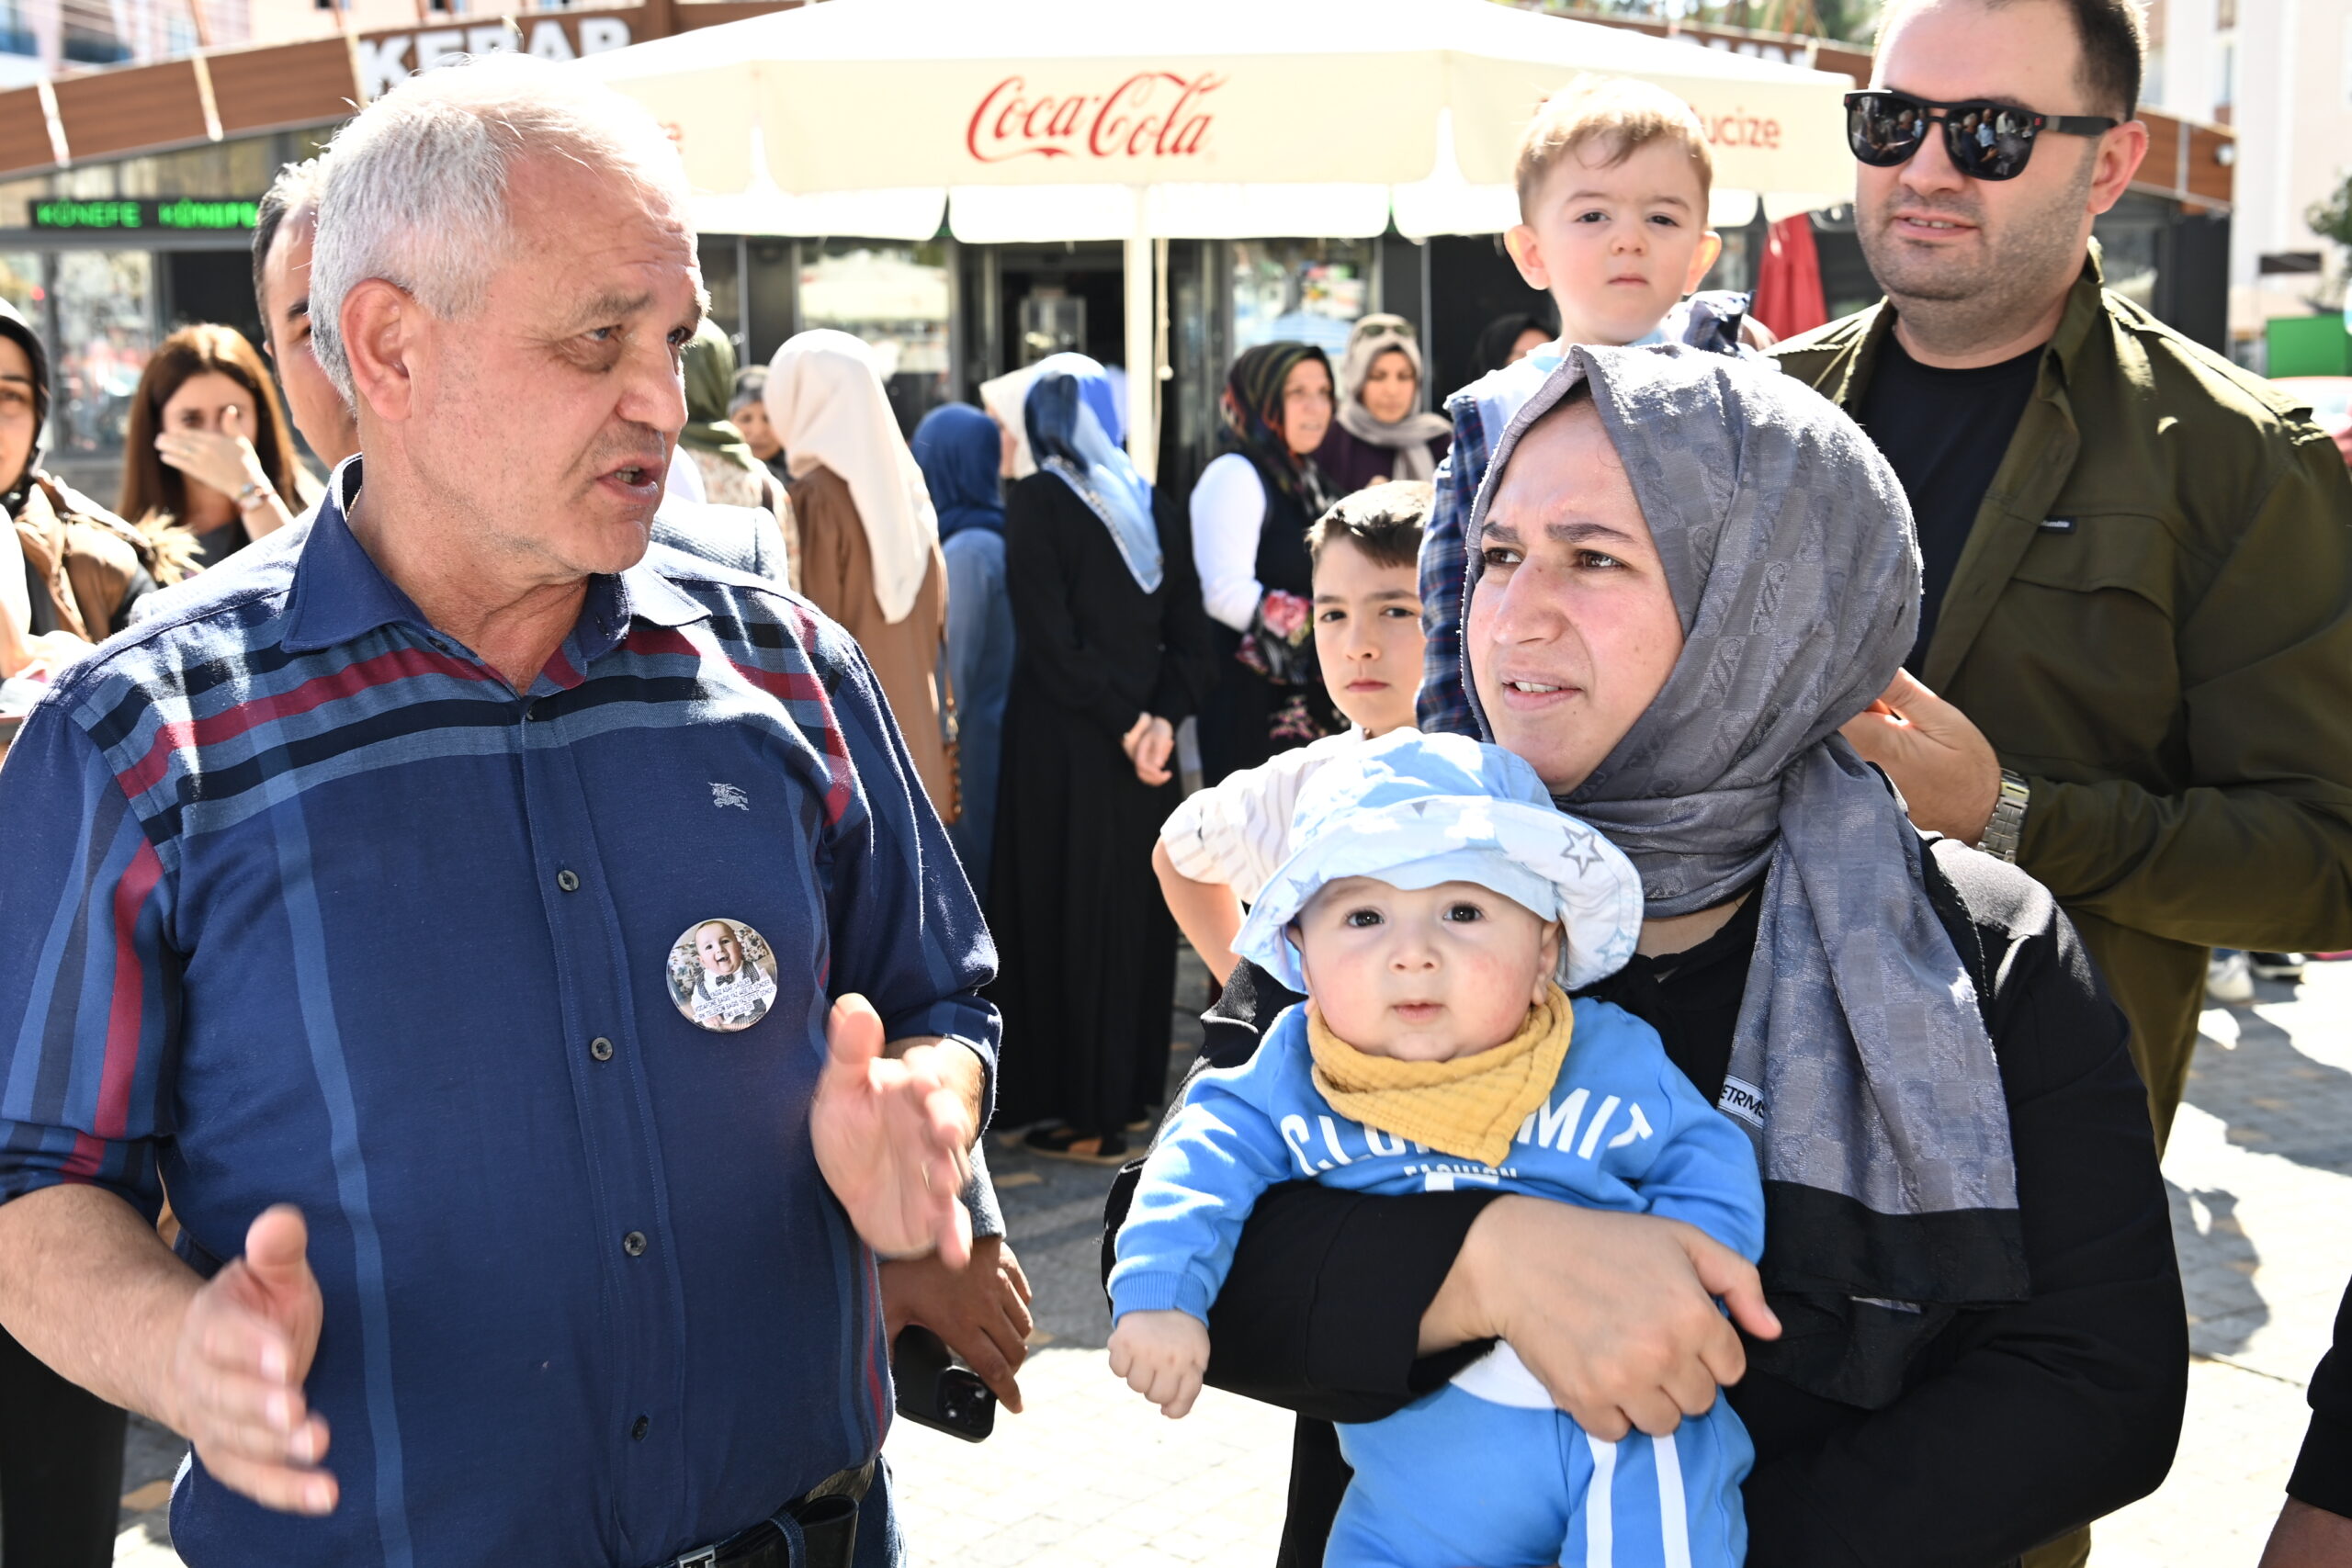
column 1860, row 1065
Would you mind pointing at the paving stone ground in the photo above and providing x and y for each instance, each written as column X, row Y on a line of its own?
column 2260, row 1177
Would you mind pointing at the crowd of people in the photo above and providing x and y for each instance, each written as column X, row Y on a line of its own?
column 1708, row 850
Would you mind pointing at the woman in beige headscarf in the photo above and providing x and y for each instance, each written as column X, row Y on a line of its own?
column 869, row 542
column 1382, row 429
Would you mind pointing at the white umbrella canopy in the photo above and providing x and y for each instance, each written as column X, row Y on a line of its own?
column 1346, row 96
column 1030, row 120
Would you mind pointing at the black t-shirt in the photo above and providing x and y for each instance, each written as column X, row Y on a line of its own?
column 1944, row 433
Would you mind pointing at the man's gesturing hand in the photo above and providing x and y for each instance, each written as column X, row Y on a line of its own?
column 245, row 1347
column 1615, row 1314
column 893, row 1138
column 1942, row 763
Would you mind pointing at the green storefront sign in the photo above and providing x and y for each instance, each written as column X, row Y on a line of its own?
column 179, row 215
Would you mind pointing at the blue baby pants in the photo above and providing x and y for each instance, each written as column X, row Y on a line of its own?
column 1456, row 1479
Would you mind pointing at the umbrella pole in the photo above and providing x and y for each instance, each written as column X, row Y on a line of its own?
column 1142, row 348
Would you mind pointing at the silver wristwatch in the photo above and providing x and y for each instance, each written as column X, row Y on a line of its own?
column 2000, row 837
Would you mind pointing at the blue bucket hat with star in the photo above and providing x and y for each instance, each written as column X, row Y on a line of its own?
column 1416, row 810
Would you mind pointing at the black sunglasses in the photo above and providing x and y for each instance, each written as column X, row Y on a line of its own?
column 1984, row 140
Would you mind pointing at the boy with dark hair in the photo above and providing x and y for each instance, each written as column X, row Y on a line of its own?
column 1217, row 849
column 1383, row 522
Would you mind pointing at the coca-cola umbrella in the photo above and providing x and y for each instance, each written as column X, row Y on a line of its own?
column 1030, row 120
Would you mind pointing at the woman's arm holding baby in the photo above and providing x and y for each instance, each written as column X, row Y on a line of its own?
column 1344, row 1306
column 1348, row 1307
column 1615, row 1314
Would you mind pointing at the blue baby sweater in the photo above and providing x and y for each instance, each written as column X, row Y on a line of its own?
column 1623, row 1130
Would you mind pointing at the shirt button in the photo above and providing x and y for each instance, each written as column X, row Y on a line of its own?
column 541, row 709
column 634, row 1244
column 639, row 1430
column 601, row 1048
column 567, row 880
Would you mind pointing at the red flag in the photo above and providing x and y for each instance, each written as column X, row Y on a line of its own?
column 1788, row 286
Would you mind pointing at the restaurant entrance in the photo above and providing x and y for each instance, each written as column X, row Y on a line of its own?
column 1044, row 299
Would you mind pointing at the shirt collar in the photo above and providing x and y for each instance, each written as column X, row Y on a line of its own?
column 340, row 593
column 2085, row 303
column 648, row 596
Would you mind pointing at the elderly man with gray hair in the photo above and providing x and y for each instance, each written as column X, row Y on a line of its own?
column 532, row 1269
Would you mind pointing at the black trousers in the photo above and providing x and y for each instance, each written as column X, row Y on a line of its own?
column 61, row 1467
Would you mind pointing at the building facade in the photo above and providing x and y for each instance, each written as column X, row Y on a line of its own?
column 2279, row 73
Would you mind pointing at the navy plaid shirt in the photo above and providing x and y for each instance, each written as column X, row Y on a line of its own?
column 302, row 903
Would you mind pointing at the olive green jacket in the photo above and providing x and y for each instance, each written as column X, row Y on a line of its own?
column 2151, row 621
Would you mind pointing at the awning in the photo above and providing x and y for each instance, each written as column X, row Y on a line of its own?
column 1037, row 120
column 1075, row 120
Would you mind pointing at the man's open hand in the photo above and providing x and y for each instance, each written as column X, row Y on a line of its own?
column 893, row 1138
column 1942, row 763
column 245, row 1347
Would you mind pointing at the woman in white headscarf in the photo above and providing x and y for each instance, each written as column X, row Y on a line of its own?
column 869, row 542
column 1383, row 430
column 1111, row 652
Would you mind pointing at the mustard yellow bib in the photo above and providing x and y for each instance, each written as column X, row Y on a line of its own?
column 1469, row 1107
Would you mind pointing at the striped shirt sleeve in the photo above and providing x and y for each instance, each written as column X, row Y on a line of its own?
column 1444, row 704
column 89, row 988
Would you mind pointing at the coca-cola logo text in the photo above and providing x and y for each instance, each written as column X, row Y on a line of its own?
column 1152, row 114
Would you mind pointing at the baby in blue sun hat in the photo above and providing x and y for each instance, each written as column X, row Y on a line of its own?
column 1434, row 908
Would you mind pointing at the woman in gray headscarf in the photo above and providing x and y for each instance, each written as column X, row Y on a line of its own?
column 1383, row 430
column 1685, row 574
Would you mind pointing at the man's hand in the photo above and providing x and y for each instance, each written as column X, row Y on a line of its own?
column 1163, row 1355
column 893, row 1138
column 2306, row 1537
column 245, row 1347
column 1615, row 1314
column 981, row 1309
column 1942, row 763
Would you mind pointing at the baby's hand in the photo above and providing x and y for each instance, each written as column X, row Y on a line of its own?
column 1163, row 1355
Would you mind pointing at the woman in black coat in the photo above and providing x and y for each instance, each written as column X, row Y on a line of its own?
column 1113, row 653
column 1250, row 510
column 1965, row 1337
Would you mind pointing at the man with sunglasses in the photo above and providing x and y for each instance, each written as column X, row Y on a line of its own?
column 2133, row 674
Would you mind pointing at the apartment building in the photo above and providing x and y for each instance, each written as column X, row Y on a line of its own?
column 2278, row 73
